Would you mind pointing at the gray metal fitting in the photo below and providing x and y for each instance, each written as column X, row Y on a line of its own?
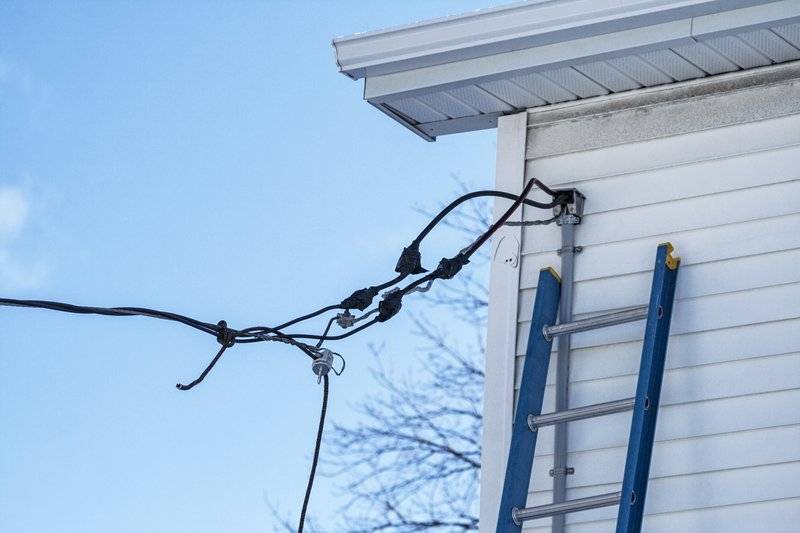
column 346, row 319
column 573, row 211
column 322, row 364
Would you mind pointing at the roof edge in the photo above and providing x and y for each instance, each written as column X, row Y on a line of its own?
column 506, row 28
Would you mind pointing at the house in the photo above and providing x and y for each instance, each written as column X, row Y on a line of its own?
column 679, row 121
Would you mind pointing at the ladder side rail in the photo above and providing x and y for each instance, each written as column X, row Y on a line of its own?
column 648, row 390
column 531, row 396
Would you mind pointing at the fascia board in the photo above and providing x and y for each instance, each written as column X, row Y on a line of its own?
column 772, row 14
column 478, row 70
column 595, row 48
column 508, row 28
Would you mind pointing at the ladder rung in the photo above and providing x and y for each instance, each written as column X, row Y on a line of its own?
column 579, row 413
column 551, row 509
column 611, row 319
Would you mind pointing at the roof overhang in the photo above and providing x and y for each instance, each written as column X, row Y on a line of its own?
column 460, row 73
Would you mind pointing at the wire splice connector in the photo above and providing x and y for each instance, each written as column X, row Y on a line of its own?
column 410, row 261
column 390, row 305
column 360, row 299
column 448, row 267
column 322, row 364
column 346, row 320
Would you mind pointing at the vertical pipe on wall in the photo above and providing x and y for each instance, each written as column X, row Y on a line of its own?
column 562, row 371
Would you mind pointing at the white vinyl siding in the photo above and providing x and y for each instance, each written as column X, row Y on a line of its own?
column 727, row 453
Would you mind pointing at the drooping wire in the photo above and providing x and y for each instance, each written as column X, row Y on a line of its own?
column 499, row 194
column 325, row 332
column 315, row 459
column 308, row 316
column 226, row 338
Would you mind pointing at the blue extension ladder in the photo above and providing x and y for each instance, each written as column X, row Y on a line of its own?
column 528, row 417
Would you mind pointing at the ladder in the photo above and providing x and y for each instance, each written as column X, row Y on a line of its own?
column 529, row 418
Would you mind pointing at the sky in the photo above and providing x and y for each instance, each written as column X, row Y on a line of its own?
column 208, row 159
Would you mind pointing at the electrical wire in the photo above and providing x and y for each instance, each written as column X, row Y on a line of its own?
column 266, row 333
column 315, row 459
column 557, row 198
column 325, row 332
column 408, row 264
column 463, row 256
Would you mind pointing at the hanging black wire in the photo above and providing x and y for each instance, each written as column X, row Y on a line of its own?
column 315, row 459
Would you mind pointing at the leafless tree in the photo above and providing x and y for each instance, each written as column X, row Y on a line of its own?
column 412, row 462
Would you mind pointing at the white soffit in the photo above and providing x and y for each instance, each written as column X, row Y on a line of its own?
column 460, row 73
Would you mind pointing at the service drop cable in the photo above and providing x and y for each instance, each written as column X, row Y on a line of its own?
column 409, row 264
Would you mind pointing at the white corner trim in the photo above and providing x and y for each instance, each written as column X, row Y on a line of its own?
column 498, row 399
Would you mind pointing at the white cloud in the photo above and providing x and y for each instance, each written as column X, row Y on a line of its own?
column 14, row 209
column 15, row 274
column 18, row 276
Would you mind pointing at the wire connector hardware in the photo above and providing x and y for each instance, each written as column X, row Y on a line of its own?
column 360, row 299
column 410, row 261
column 322, row 364
column 448, row 267
column 390, row 305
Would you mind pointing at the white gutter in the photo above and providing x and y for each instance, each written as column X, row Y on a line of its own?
column 508, row 28
column 461, row 73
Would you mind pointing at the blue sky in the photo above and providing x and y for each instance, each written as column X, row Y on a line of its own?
column 206, row 159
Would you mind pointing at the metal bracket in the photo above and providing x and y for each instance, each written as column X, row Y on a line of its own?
column 573, row 212
column 562, row 471
column 566, row 249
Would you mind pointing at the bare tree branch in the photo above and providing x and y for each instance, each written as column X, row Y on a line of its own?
column 412, row 462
